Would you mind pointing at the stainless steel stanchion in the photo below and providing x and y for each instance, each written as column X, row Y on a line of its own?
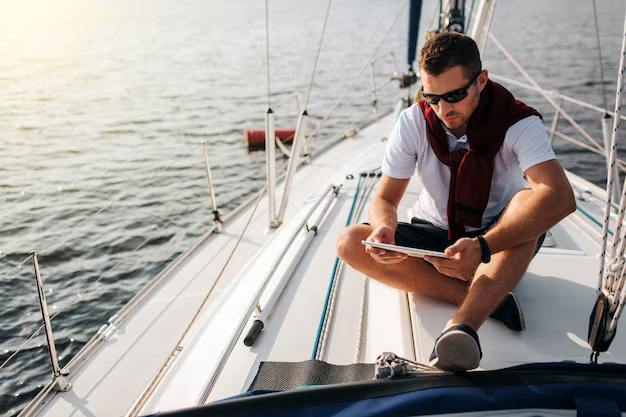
column 216, row 214
column 58, row 373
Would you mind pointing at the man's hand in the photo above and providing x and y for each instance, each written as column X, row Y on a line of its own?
column 384, row 234
column 467, row 257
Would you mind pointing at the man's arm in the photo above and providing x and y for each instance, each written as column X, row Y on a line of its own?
column 552, row 200
column 383, row 210
column 383, row 217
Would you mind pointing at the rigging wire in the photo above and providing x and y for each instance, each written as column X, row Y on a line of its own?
column 19, row 349
column 545, row 95
column 595, row 14
column 620, row 163
column 86, row 290
column 18, row 266
column 90, row 217
column 319, row 49
column 358, row 75
column 553, row 94
column 260, row 193
column 113, row 201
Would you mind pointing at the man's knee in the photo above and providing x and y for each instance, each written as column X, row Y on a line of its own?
column 349, row 240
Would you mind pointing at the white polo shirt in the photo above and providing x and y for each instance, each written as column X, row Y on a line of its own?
column 408, row 150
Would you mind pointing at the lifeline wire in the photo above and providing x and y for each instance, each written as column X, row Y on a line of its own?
column 621, row 163
column 124, row 194
column 18, row 266
column 24, row 344
column 82, row 293
column 356, row 77
column 545, row 95
column 319, row 48
column 553, row 94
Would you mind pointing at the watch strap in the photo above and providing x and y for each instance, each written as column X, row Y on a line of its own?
column 484, row 249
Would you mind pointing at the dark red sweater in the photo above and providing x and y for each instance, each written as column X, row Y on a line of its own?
column 471, row 171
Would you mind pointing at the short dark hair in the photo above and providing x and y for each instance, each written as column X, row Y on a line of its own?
column 449, row 49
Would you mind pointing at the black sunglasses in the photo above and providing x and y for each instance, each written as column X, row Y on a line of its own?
column 450, row 97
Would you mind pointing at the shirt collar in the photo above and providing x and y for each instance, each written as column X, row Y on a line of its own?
column 462, row 139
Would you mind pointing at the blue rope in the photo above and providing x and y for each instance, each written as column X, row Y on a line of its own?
column 358, row 187
column 332, row 280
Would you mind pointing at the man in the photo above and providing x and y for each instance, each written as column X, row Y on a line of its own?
column 472, row 144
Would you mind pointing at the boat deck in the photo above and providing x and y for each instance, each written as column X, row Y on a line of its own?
column 557, row 294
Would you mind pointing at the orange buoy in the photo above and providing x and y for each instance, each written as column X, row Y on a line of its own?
column 255, row 138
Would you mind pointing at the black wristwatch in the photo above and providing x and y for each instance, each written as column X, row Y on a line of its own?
column 484, row 249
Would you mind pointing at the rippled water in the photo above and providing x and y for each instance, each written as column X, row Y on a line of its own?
column 104, row 104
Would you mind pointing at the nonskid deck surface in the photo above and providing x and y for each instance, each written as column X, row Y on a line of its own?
column 557, row 294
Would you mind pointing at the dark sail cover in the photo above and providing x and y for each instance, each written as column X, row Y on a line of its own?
column 591, row 390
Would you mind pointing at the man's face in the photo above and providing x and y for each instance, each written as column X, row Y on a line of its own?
column 454, row 115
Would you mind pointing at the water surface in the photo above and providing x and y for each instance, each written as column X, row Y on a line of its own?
column 105, row 103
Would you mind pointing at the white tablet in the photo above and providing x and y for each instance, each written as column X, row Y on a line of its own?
column 418, row 253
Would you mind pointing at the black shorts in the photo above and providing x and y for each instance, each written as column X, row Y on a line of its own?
column 421, row 234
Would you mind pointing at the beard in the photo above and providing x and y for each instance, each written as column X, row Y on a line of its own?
column 454, row 120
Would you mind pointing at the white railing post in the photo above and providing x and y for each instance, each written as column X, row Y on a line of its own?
column 294, row 160
column 270, row 165
column 216, row 214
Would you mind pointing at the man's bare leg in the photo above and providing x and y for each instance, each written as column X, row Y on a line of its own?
column 458, row 347
column 412, row 274
column 493, row 281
